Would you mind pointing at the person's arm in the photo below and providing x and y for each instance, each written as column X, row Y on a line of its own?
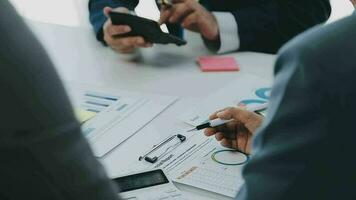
column 97, row 16
column 43, row 152
column 228, row 34
column 304, row 147
column 286, row 139
column 266, row 26
column 262, row 26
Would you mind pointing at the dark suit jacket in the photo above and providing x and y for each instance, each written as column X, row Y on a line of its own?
column 42, row 151
column 306, row 147
column 263, row 25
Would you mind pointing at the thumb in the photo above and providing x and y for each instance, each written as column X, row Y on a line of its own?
column 106, row 11
column 121, row 10
column 237, row 114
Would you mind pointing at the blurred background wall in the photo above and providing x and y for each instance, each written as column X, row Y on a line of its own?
column 75, row 12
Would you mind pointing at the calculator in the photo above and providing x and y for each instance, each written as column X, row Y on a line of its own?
column 148, row 185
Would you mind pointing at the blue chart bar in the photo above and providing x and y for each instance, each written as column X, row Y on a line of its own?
column 92, row 110
column 96, row 102
column 101, row 96
column 263, row 93
column 252, row 101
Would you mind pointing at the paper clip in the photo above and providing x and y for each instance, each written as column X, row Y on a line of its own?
column 153, row 159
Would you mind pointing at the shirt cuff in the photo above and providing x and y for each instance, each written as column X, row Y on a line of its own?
column 228, row 30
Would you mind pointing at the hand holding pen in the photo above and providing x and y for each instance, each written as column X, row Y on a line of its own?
column 238, row 132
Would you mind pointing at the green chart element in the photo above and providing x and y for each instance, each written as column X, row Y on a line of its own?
column 229, row 157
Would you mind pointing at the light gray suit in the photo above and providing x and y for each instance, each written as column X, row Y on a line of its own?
column 42, row 151
column 306, row 148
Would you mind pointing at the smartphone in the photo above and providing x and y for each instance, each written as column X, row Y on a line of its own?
column 146, row 28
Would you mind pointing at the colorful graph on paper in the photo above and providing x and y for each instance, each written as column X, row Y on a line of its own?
column 247, row 90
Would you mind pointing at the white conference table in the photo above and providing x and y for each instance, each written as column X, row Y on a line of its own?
column 164, row 70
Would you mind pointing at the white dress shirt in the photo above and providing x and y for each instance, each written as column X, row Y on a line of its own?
column 228, row 30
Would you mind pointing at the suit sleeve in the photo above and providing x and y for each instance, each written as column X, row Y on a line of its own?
column 282, row 147
column 266, row 26
column 97, row 17
column 43, row 153
column 304, row 147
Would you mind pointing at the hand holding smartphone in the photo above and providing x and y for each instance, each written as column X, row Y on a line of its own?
column 146, row 28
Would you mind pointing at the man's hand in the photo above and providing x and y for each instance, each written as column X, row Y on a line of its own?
column 192, row 16
column 237, row 134
column 113, row 35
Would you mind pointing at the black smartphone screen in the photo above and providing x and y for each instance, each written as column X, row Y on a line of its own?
column 146, row 28
column 141, row 180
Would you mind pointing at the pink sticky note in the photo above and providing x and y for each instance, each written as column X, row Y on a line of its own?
column 218, row 63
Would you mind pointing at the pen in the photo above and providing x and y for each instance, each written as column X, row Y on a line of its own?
column 218, row 122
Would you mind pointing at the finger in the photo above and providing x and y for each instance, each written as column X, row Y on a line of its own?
column 178, row 1
column 244, row 116
column 107, row 36
column 126, row 50
column 132, row 41
column 248, row 145
column 115, row 30
column 230, row 134
column 165, row 15
column 121, row 43
column 106, row 11
column 180, row 11
column 138, row 41
column 241, row 142
column 209, row 131
column 226, row 143
column 214, row 115
column 228, row 128
column 234, row 144
column 190, row 20
column 121, row 10
column 219, row 136
column 146, row 45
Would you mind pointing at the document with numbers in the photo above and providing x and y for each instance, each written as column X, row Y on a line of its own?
column 203, row 163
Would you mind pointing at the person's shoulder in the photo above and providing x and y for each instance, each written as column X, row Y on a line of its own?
column 323, row 56
column 324, row 43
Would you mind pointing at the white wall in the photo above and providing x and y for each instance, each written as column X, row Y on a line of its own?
column 65, row 12
column 74, row 12
column 341, row 8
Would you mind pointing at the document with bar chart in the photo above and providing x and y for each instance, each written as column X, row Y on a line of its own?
column 117, row 114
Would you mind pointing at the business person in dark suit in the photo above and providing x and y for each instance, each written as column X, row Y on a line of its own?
column 43, row 153
column 305, row 147
column 225, row 25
